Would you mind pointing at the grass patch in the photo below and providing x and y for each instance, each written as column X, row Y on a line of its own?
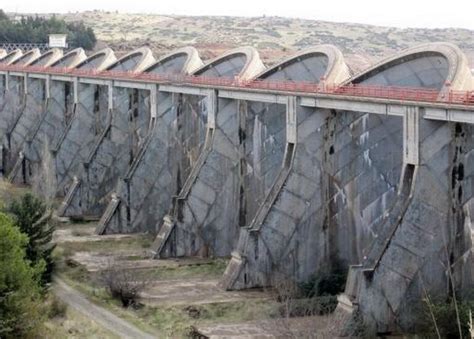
column 74, row 325
column 139, row 242
column 211, row 270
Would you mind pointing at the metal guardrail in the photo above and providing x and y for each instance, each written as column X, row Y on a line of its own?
column 26, row 46
column 386, row 92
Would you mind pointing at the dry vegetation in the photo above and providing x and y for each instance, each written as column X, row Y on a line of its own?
column 274, row 37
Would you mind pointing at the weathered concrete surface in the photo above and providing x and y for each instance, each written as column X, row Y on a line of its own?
column 87, row 129
column 173, row 149
column 45, row 130
column 429, row 243
column 14, row 101
column 425, row 246
column 244, row 159
column 343, row 179
column 36, row 97
column 135, row 188
column 391, row 194
column 47, row 159
column 132, row 122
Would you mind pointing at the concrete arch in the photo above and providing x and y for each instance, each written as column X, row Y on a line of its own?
column 3, row 53
column 48, row 58
column 27, row 57
column 71, row 59
column 135, row 61
column 185, row 61
column 244, row 62
column 11, row 57
column 332, row 67
column 455, row 68
column 98, row 61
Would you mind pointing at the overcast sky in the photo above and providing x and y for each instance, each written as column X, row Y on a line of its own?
column 398, row 13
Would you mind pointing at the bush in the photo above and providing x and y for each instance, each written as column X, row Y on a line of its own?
column 33, row 219
column 57, row 308
column 330, row 284
column 122, row 285
column 21, row 311
column 444, row 312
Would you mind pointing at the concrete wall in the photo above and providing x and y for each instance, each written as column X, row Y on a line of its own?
column 103, row 126
column 305, row 189
column 14, row 102
column 31, row 113
column 172, row 151
column 245, row 157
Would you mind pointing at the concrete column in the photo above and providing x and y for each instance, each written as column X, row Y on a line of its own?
column 75, row 83
column 48, row 87
column 211, row 109
column 153, row 101
column 25, row 83
column 291, row 135
column 110, row 102
column 411, row 138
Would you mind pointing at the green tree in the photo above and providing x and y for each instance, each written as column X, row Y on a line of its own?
column 21, row 312
column 36, row 29
column 3, row 16
column 33, row 218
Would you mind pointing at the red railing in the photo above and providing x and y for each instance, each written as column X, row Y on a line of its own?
column 383, row 92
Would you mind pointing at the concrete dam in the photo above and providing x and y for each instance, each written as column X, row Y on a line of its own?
column 291, row 170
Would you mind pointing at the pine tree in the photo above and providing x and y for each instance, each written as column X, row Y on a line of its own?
column 21, row 312
column 33, row 218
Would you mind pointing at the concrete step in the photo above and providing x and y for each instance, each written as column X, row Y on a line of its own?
column 73, row 189
column 162, row 236
column 232, row 271
column 108, row 214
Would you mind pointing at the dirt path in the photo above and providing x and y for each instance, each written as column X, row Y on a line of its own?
column 100, row 315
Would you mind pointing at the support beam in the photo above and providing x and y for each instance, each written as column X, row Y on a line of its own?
column 291, row 123
column 211, row 109
column 110, row 95
column 411, row 136
column 249, row 96
column 75, row 83
column 183, row 89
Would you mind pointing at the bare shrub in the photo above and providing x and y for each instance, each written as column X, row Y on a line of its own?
column 57, row 308
column 122, row 284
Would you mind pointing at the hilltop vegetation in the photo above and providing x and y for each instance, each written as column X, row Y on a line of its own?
column 274, row 37
column 36, row 29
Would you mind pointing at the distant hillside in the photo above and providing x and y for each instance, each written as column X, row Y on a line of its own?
column 274, row 37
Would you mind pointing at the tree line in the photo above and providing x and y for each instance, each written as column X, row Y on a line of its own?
column 35, row 29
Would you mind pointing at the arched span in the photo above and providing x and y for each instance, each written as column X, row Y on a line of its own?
column 243, row 62
column 310, row 65
column 47, row 59
column 3, row 53
column 135, row 61
column 27, row 58
column 440, row 66
column 99, row 61
column 11, row 57
column 183, row 61
column 71, row 59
